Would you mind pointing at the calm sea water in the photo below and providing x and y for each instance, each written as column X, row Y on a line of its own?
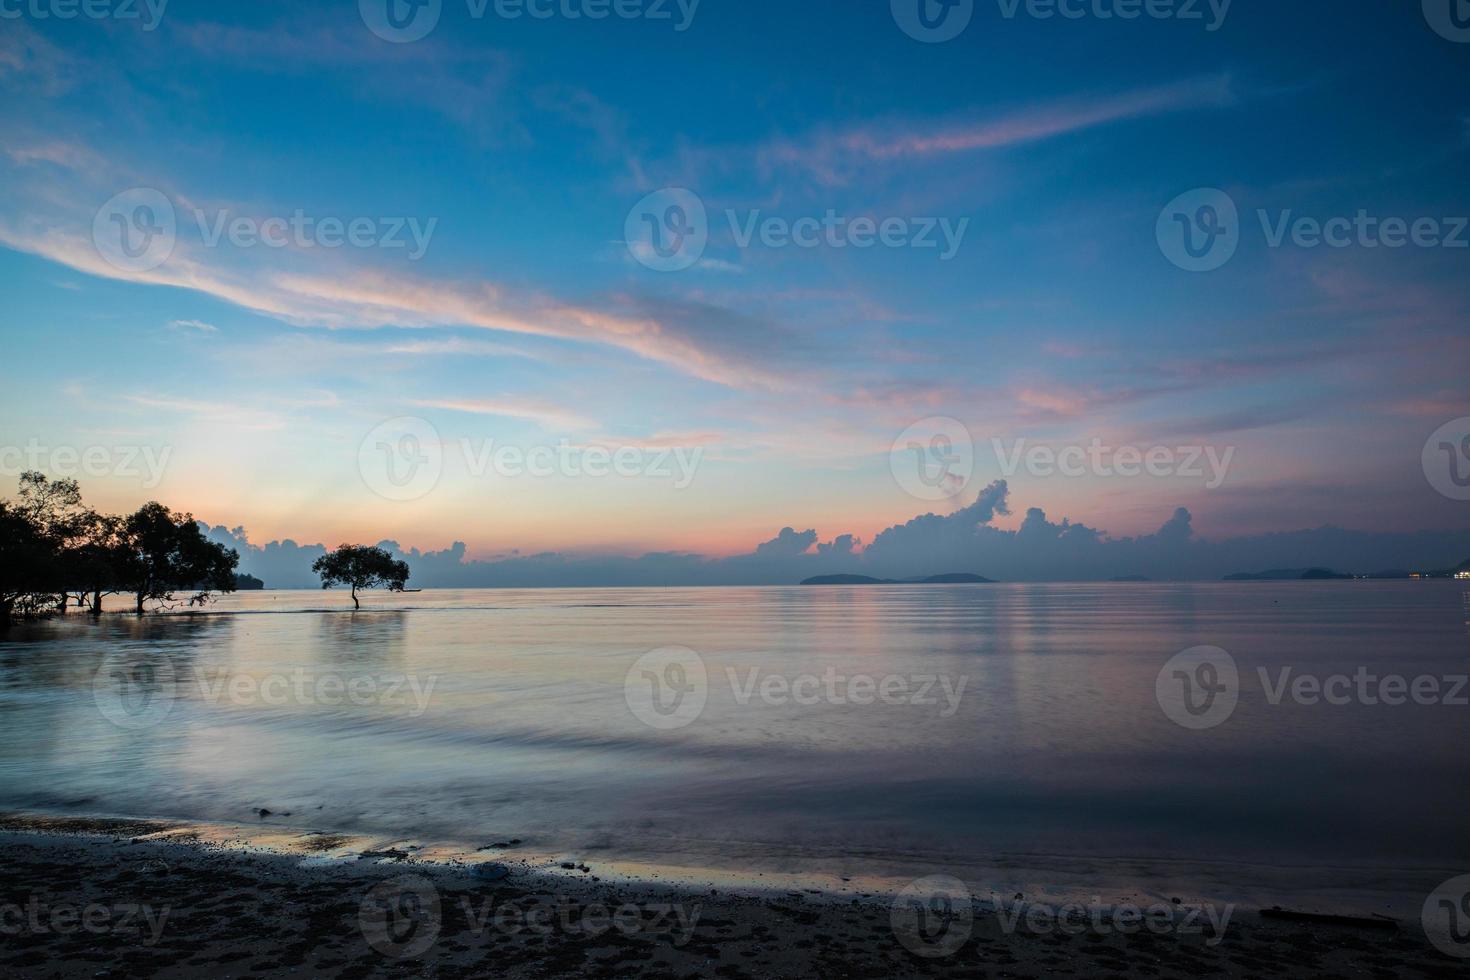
column 497, row 714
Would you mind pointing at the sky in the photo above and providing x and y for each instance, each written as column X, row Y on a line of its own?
column 675, row 278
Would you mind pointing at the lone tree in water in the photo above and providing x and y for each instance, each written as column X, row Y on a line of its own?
column 361, row 567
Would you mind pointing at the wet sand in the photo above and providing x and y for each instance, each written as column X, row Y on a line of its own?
column 108, row 898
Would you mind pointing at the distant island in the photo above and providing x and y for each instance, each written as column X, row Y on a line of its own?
column 1461, row 571
column 951, row 578
column 1287, row 575
column 247, row 583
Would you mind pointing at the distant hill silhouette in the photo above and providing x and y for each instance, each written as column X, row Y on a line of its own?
column 247, row 583
column 1325, row 574
column 1287, row 575
column 949, row 578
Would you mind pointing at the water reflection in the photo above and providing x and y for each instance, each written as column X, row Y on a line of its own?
column 504, row 713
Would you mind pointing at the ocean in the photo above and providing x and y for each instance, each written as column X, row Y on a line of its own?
column 1046, row 735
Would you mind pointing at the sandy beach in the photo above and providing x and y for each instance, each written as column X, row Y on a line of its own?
column 105, row 898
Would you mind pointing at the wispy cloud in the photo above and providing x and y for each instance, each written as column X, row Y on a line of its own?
column 673, row 335
column 214, row 413
column 73, row 156
column 829, row 156
column 197, row 326
column 546, row 414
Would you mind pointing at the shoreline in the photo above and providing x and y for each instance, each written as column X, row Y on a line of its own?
column 174, row 898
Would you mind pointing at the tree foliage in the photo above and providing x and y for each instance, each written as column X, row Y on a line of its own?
column 52, row 545
column 163, row 552
column 361, row 567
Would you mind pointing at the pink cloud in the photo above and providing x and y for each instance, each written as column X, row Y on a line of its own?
column 827, row 156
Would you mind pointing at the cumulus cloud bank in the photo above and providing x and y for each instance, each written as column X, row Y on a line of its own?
column 964, row 541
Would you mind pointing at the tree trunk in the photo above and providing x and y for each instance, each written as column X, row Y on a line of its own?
column 140, row 603
column 96, row 603
column 355, row 603
column 61, row 606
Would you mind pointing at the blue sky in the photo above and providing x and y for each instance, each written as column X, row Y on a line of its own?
column 521, row 146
